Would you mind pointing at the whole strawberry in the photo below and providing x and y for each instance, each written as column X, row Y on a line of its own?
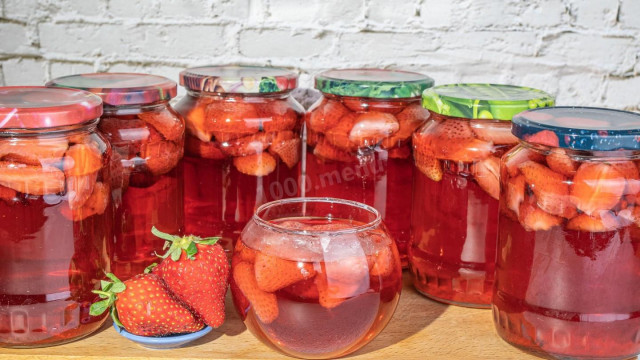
column 196, row 271
column 144, row 306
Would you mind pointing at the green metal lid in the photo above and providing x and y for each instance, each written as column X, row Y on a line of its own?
column 373, row 83
column 484, row 101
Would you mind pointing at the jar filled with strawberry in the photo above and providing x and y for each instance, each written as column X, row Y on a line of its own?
column 55, row 214
column 456, row 187
column 147, row 136
column 359, row 141
column 568, row 267
column 243, row 145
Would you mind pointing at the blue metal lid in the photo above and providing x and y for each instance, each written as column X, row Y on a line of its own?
column 579, row 128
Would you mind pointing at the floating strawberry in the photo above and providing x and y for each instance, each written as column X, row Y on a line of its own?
column 144, row 306
column 326, row 116
column 96, row 204
column 161, row 156
column 203, row 149
column 338, row 135
column 79, row 189
column 604, row 221
column 498, row 134
column 560, row 162
column 325, row 151
column 597, row 186
column 519, row 156
column 82, row 159
column 38, row 151
column 166, row 122
column 429, row 166
column 515, row 193
column 235, row 117
column 551, row 189
column 544, row 137
column 401, row 152
column 264, row 304
column 535, row 219
column 247, row 145
column 30, row 179
column 274, row 273
column 370, row 128
column 288, row 151
column 409, row 120
column 631, row 174
column 196, row 271
column 276, row 116
column 261, row 164
column 487, row 175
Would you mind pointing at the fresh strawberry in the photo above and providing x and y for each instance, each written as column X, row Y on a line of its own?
column 597, row 186
column 277, row 116
column 197, row 272
column 550, row 188
column 429, row 166
column 82, row 159
column 325, row 151
column 37, row 151
column 518, row 156
column 166, row 122
column 533, row 218
column 338, row 135
column 560, row 162
column 409, row 119
column 79, row 189
column 631, row 174
column 401, row 152
column 247, row 145
column 203, row 149
column 326, row 116
column 30, row 179
column 161, row 156
column 497, row 133
column 144, row 306
column 487, row 174
column 96, row 204
column 604, row 221
column 370, row 128
column 261, row 164
column 235, row 117
column 288, row 151
column 264, row 304
column 544, row 137
column 515, row 193
column 274, row 273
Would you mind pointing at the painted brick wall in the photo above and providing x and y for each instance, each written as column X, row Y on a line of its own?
column 585, row 51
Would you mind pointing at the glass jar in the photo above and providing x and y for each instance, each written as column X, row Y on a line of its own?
column 316, row 278
column 55, row 215
column 147, row 136
column 359, row 141
column 456, row 187
column 568, row 267
column 243, row 145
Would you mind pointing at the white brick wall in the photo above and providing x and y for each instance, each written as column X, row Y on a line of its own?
column 587, row 52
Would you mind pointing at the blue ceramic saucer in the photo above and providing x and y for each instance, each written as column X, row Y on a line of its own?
column 166, row 342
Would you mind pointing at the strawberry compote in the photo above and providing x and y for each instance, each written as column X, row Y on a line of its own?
column 316, row 278
column 359, row 141
column 568, row 267
column 147, row 136
column 456, row 188
column 55, row 215
column 243, row 145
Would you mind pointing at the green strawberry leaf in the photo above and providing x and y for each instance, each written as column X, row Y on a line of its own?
column 113, row 277
column 105, row 286
column 98, row 308
column 116, row 319
column 209, row 241
column 150, row 268
column 191, row 250
column 175, row 254
column 162, row 235
column 118, row 287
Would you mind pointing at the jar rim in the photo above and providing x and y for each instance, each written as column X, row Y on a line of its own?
column 238, row 79
column 282, row 229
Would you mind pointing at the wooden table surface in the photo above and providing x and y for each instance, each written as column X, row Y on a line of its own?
column 420, row 329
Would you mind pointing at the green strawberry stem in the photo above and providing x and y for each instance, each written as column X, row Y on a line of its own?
column 176, row 244
column 109, row 292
